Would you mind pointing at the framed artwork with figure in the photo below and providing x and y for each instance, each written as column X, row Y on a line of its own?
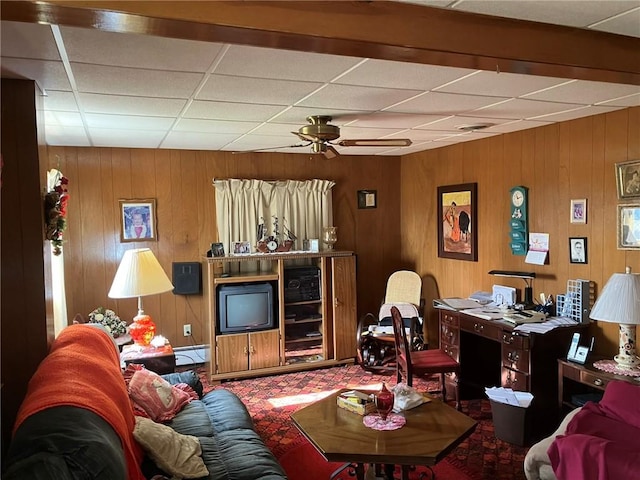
column 629, row 227
column 457, row 222
column 138, row 220
column 628, row 179
column 578, row 249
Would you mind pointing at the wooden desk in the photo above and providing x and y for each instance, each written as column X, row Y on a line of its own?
column 576, row 379
column 492, row 354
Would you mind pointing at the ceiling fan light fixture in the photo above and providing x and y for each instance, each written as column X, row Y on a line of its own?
column 472, row 127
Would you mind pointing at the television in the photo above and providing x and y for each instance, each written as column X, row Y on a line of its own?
column 245, row 307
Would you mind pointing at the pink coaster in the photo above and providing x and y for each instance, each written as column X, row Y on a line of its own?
column 393, row 421
column 610, row 366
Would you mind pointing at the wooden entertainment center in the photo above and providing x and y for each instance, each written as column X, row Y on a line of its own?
column 308, row 333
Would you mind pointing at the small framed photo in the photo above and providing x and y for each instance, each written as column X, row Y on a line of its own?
column 241, row 248
column 578, row 249
column 628, row 179
column 579, row 211
column 138, row 220
column 367, row 198
column 217, row 249
column 629, row 227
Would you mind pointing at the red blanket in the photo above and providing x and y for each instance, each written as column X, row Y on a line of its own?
column 83, row 370
column 602, row 441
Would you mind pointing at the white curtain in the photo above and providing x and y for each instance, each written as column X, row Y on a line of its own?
column 60, row 320
column 303, row 207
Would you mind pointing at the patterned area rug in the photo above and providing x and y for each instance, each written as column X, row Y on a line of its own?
column 271, row 400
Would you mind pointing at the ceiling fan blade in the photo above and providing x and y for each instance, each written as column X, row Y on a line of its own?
column 380, row 142
column 330, row 152
column 305, row 137
column 272, row 148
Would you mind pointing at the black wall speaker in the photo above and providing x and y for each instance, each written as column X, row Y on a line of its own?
column 187, row 278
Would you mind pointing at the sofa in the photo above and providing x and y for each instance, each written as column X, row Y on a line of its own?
column 598, row 441
column 79, row 420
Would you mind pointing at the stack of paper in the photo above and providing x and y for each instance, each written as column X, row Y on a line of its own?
column 509, row 396
column 455, row 303
column 541, row 328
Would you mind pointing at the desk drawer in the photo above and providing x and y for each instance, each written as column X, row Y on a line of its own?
column 593, row 379
column 452, row 350
column 515, row 358
column 515, row 341
column 515, row 380
column 484, row 329
column 450, row 318
column 449, row 334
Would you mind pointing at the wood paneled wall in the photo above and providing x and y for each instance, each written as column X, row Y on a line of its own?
column 560, row 162
column 181, row 182
column 557, row 163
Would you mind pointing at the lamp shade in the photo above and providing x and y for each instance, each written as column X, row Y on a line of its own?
column 618, row 302
column 138, row 275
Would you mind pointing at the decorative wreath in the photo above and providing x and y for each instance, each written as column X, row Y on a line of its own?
column 55, row 211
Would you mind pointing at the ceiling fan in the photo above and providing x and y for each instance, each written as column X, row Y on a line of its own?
column 320, row 135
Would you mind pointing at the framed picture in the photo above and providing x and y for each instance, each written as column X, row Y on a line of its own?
column 628, row 179
column 217, row 249
column 457, row 225
column 367, row 198
column 138, row 220
column 579, row 211
column 578, row 249
column 241, row 248
column 629, row 227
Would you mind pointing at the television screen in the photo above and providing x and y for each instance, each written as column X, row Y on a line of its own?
column 245, row 307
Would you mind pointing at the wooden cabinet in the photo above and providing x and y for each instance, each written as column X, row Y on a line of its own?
column 309, row 332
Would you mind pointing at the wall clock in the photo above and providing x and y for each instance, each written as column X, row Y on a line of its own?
column 519, row 233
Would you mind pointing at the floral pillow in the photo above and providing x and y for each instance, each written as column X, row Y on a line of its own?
column 154, row 397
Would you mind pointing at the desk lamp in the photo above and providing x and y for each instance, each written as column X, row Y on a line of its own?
column 138, row 275
column 618, row 303
column 528, row 280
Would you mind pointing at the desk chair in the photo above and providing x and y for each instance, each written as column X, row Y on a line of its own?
column 423, row 362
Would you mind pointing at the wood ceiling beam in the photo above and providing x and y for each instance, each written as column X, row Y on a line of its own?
column 380, row 29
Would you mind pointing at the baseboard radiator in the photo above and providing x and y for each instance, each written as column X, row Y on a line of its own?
column 192, row 355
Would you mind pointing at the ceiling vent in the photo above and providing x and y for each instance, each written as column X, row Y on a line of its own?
column 472, row 127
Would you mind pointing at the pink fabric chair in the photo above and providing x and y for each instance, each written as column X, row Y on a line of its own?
column 422, row 362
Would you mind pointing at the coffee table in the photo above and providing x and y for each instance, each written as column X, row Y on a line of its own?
column 431, row 432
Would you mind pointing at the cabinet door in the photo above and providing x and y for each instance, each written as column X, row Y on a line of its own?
column 264, row 349
column 344, row 306
column 232, row 353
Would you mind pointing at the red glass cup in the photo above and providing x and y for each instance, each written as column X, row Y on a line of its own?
column 384, row 402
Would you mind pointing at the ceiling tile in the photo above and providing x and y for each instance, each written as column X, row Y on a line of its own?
column 134, row 81
column 410, row 76
column 452, row 123
column 367, row 133
column 517, row 125
column 518, row 109
column 138, row 51
column 125, row 138
column 50, row 75
column 298, row 115
column 576, row 113
column 630, row 101
column 58, row 135
column 65, row 119
column 356, row 98
column 423, row 135
column 626, row 24
column 255, row 90
column 245, row 61
column 584, row 92
column 231, row 111
column 146, row 106
column 98, row 120
column 197, row 140
column 394, row 120
column 444, row 104
column 57, row 100
column 214, row 126
column 28, row 40
column 500, row 84
column 560, row 12
column 278, row 129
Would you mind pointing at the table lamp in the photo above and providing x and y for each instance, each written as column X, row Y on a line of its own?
column 618, row 303
column 138, row 275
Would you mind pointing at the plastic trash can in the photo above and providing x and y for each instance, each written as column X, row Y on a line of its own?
column 512, row 424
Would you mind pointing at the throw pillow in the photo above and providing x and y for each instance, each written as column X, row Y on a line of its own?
column 177, row 454
column 156, row 397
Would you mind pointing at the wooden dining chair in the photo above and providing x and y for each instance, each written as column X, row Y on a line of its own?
column 422, row 362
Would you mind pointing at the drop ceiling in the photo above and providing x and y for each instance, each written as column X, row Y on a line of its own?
column 109, row 89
